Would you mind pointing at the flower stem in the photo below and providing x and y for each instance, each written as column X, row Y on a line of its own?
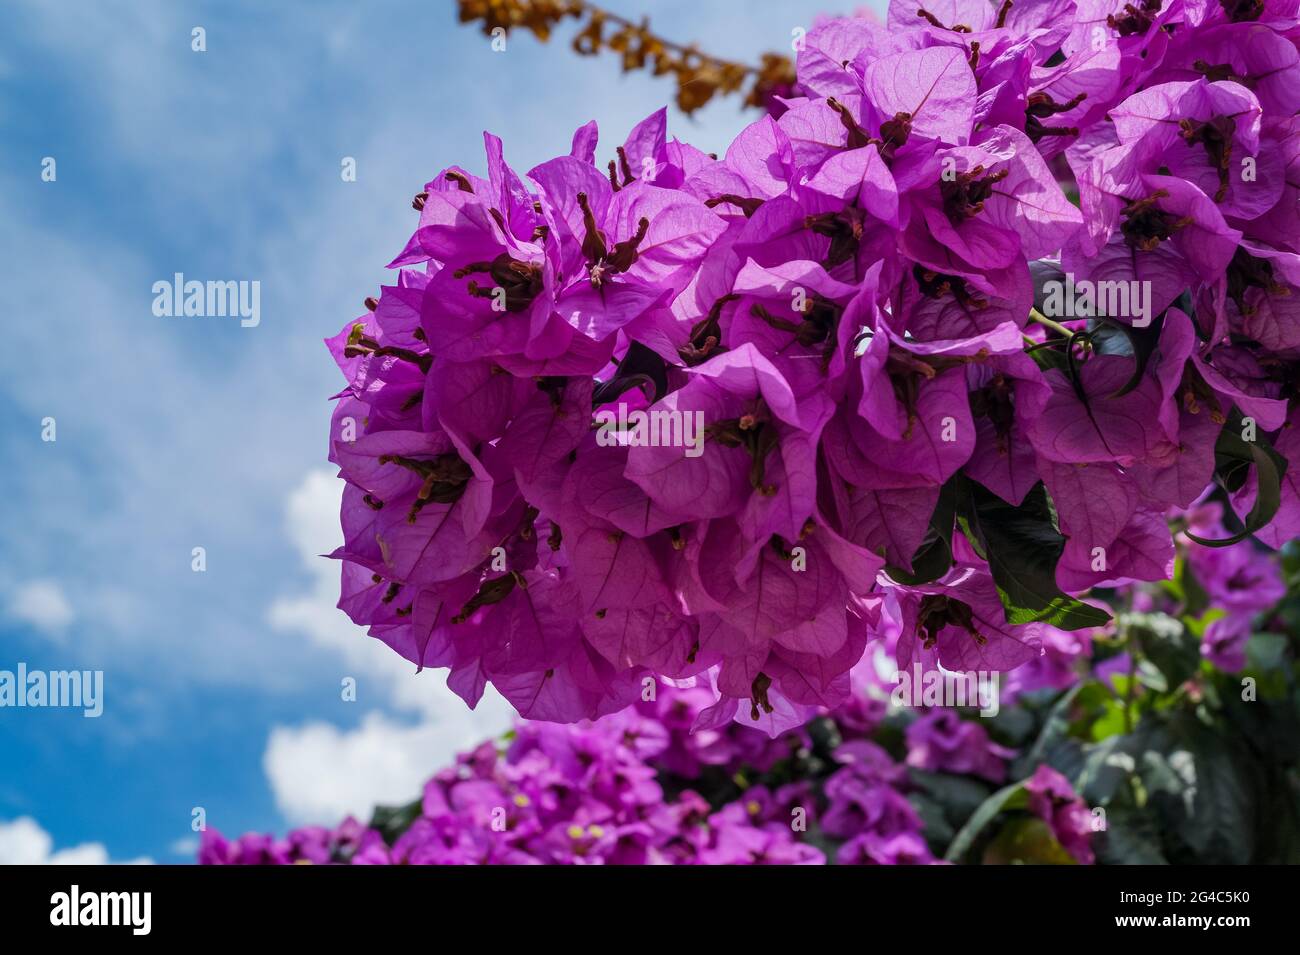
column 1046, row 322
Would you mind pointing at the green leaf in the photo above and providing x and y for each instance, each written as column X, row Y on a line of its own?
column 1107, row 764
column 1049, row 357
column 1167, row 644
column 934, row 557
column 392, row 821
column 1193, row 595
column 1013, row 724
column 1112, row 337
column 938, row 830
column 641, row 367
column 1113, row 721
column 1023, row 547
column 1056, row 728
column 1130, row 838
column 1233, row 455
column 1026, row 841
column 1267, row 651
column 1151, row 677
column 1008, row 797
column 958, row 795
column 1215, row 813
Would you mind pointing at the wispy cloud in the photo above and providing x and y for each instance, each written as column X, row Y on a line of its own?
column 319, row 772
column 24, row 842
column 181, row 433
column 41, row 604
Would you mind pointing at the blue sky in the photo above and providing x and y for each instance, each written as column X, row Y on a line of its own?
column 222, row 688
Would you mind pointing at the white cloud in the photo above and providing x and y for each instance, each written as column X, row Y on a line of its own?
column 186, row 846
column 42, row 604
column 319, row 772
column 225, row 179
column 175, row 434
column 24, row 842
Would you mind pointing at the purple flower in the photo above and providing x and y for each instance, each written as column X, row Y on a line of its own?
column 959, row 622
column 1052, row 799
column 941, row 741
column 871, row 848
column 1240, row 579
column 1058, row 667
column 825, row 335
column 1225, row 641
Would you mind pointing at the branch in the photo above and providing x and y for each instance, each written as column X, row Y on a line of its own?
column 700, row 76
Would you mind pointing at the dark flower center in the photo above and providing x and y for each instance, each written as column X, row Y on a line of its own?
column 1247, row 271
column 938, row 611
column 906, row 371
column 843, row 228
column 600, row 260
column 620, row 166
column 1216, row 137
column 755, row 433
column 1240, row 11
column 964, row 195
column 758, row 695
column 1135, row 20
column 746, row 204
column 821, row 318
column 938, row 285
column 361, row 344
column 554, row 386
column 995, row 402
column 520, row 281
column 461, row 181
column 935, row 22
column 893, row 132
column 1040, row 106
column 1145, row 226
column 491, row 591
column 444, row 479
column 1218, row 72
column 1195, row 394
column 706, row 335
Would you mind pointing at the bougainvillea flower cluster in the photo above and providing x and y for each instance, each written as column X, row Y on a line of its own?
column 597, row 793
column 584, row 794
column 866, row 783
column 939, row 344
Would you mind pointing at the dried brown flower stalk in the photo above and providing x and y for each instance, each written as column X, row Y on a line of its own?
column 699, row 75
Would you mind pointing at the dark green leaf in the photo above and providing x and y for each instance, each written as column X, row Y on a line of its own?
column 1112, row 337
column 392, row 821
column 1267, row 500
column 1055, row 729
column 1027, row 840
column 1023, row 546
column 1008, row 797
column 1215, row 813
column 934, row 557
column 1109, row 763
column 1167, row 644
column 959, row 795
column 938, row 830
column 1130, row 838
column 638, row 368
